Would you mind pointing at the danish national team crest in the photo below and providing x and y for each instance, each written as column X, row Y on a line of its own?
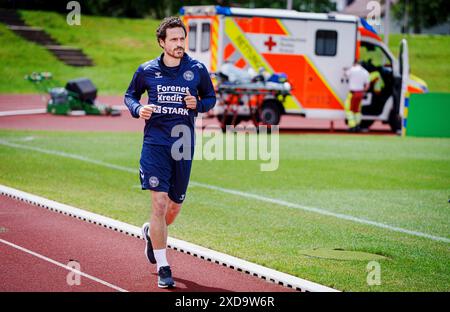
column 188, row 75
column 154, row 182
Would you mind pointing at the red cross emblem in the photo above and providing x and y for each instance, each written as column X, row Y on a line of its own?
column 270, row 43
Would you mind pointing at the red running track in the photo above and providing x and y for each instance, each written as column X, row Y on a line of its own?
column 103, row 254
column 8, row 102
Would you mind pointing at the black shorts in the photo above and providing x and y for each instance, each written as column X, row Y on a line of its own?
column 160, row 172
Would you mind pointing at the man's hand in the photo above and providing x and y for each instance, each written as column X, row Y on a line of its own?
column 191, row 101
column 146, row 111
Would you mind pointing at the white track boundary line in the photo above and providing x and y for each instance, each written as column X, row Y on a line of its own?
column 35, row 254
column 242, row 194
column 322, row 212
column 120, row 107
column 38, row 111
column 23, row 112
column 176, row 244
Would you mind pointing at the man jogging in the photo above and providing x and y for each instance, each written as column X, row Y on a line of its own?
column 178, row 87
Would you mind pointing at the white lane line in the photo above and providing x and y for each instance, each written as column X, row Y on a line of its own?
column 242, row 194
column 321, row 211
column 120, row 107
column 67, row 155
column 23, row 112
column 93, row 278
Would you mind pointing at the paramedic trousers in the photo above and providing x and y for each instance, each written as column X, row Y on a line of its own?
column 353, row 108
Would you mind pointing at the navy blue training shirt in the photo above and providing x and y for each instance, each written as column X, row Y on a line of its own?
column 166, row 88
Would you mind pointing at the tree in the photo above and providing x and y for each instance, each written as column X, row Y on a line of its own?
column 422, row 13
column 159, row 8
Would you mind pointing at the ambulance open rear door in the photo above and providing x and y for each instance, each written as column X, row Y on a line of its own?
column 403, row 85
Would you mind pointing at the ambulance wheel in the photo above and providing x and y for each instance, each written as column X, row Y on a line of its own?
column 366, row 124
column 395, row 121
column 271, row 112
column 228, row 121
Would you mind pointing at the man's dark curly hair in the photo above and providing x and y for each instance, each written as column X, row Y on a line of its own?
column 169, row 22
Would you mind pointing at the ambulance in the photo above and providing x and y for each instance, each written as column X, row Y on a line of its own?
column 313, row 50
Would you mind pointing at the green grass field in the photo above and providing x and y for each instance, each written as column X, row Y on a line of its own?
column 398, row 182
column 118, row 46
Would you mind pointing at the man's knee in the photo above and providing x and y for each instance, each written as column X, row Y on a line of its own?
column 159, row 204
column 172, row 212
column 174, row 208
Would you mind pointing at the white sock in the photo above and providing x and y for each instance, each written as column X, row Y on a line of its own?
column 160, row 256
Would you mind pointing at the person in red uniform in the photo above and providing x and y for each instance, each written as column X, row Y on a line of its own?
column 359, row 82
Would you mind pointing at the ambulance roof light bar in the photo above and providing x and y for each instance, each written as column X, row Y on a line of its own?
column 208, row 10
column 199, row 10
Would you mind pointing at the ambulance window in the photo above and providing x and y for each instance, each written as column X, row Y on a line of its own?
column 192, row 37
column 206, row 37
column 373, row 56
column 326, row 42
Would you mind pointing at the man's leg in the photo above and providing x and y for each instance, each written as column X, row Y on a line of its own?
column 356, row 106
column 158, row 225
column 348, row 111
column 155, row 173
column 158, row 235
column 173, row 209
column 159, row 213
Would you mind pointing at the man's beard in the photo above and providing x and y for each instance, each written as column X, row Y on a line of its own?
column 175, row 53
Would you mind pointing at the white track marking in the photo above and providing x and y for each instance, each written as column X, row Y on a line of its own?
column 93, row 278
column 22, row 139
column 176, row 244
column 321, row 211
column 120, row 107
column 67, row 155
column 242, row 194
column 23, row 112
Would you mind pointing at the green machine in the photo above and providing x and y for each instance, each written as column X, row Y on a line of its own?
column 78, row 97
column 428, row 115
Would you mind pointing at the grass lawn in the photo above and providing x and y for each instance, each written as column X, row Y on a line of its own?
column 118, row 46
column 398, row 182
column 429, row 58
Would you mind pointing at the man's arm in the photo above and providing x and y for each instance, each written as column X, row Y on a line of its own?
column 206, row 92
column 134, row 93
